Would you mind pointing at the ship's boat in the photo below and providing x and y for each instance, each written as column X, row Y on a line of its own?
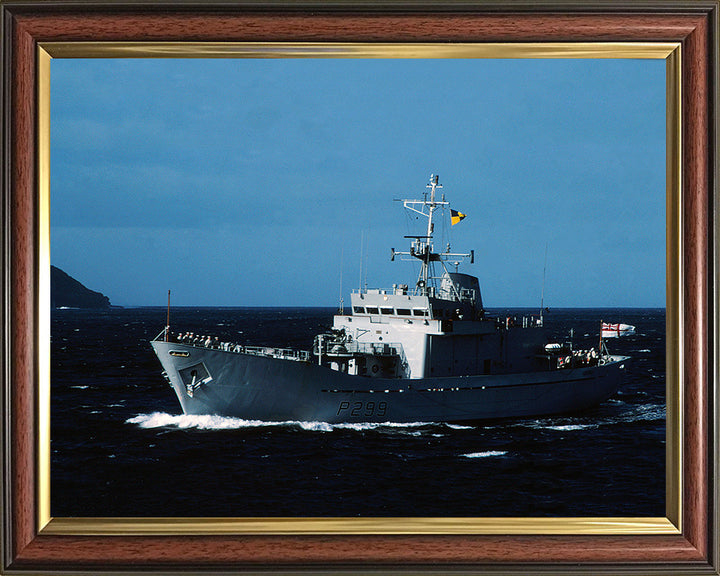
column 426, row 353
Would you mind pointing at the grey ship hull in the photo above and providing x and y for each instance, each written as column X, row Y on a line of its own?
column 254, row 387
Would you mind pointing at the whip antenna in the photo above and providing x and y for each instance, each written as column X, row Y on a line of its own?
column 362, row 239
column 342, row 257
column 542, row 292
column 167, row 324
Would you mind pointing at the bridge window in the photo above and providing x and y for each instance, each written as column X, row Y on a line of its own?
column 358, row 310
column 385, row 310
column 403, row 312
column 419, row 312
column 372, row 310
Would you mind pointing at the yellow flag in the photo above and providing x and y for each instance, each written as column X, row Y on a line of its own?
column 455, row 216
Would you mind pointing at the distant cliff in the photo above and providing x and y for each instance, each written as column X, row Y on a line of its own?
column 65, row 291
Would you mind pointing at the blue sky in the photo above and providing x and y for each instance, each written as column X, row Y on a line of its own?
column 250, row 182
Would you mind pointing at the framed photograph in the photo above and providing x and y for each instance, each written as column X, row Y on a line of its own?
column 236, row 170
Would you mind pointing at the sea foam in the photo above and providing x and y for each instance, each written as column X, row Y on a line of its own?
column 485, row 454
column 183, row 421
column 569, row 427
column 213, row 422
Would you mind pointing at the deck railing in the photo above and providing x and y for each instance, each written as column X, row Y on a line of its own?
column 215, row 344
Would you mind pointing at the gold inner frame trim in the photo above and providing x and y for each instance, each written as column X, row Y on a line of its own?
column 357, row 50
column 366, row 526
column 671, row 524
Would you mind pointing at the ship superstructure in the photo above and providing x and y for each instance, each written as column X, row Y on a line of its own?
column 426, row 352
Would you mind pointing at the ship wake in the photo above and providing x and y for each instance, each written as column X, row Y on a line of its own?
column 214, row 422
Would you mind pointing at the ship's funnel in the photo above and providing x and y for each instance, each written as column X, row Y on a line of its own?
column 454, row 285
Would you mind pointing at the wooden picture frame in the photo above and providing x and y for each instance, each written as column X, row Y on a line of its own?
column 687, row 542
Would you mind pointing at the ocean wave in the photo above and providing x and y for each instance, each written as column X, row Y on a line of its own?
column 183, row 421
column 213, row 422
column 357, row 426
column 639, row 413
column 555, row 425
column 485, row 454
column 570, row 427
column 644, row 412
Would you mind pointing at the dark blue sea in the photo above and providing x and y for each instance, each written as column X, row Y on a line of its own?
column 121, row 446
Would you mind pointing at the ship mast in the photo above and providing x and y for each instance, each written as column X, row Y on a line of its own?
column 421, row 247
column 427, row 245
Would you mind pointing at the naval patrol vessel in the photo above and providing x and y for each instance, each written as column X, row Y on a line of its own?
column 422, row 353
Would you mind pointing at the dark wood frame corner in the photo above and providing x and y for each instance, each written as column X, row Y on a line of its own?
column 26, row 24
